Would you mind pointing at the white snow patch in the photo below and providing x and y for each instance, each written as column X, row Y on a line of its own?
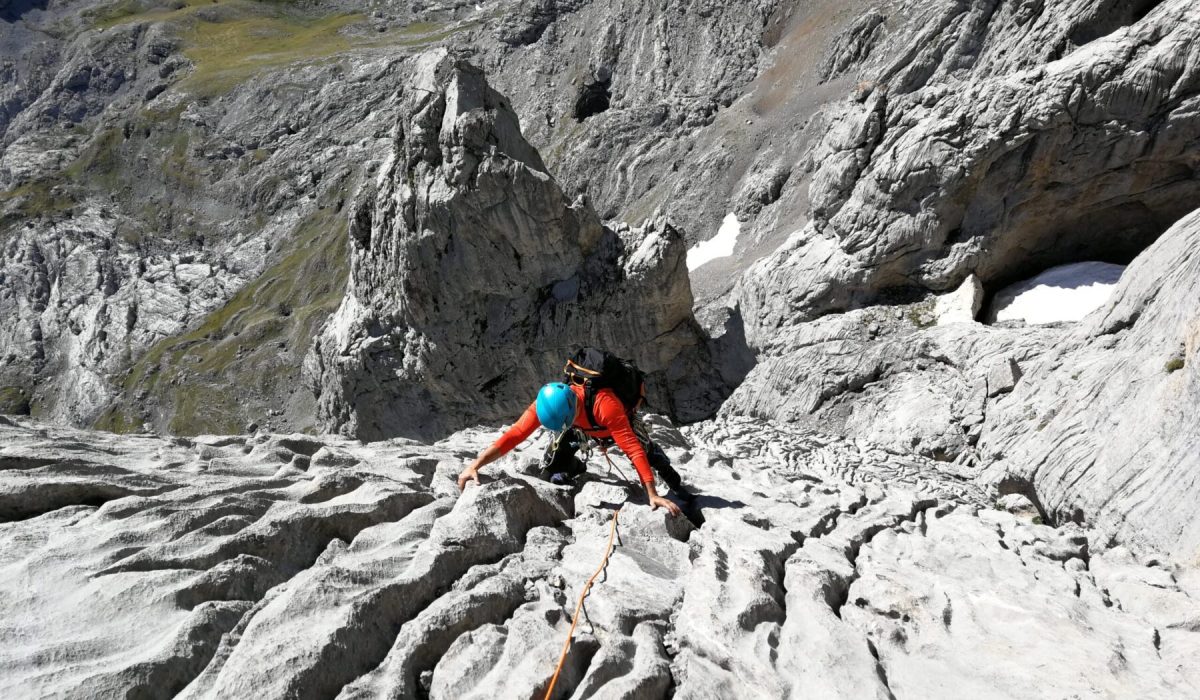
column 719, row 246
column 1063, row 293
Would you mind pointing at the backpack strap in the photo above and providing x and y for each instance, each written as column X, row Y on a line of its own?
column 573, row 369
column 589, row 399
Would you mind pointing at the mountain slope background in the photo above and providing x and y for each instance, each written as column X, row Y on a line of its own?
column 215, row 91
column 270, row 272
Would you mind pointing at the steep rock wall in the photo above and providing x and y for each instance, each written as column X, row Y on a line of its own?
column 974, row 170
column 1087, row 156
column 1103, row 427
column 473, row 276
column 984, row 143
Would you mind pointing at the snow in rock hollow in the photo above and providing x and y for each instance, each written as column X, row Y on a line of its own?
column 1063, row 293
column 719, row 246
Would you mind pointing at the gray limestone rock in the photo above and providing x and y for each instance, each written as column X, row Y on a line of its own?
column 895, row 501
column 962, row 305
column 172, row 228
column 992, row 172
column 990, row 142
column 807, row 565
column 1003, row 377
column 1102, row 428
column 473, row 277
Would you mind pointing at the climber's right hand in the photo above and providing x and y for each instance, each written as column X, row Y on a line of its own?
column 659, row 501
column 468, row 475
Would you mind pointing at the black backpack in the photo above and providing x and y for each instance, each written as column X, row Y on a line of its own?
column 597, row 369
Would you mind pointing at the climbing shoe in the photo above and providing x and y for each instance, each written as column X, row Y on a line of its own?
column 560, row 479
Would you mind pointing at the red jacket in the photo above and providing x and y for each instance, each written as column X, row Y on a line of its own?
column 610, row 415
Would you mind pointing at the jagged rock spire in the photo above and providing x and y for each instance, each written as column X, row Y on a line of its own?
column 473, row 275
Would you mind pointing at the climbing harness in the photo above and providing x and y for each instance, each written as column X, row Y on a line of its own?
column 587, row 444
column 562, row 658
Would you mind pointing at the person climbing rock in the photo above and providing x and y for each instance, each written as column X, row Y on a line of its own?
column 609, row 391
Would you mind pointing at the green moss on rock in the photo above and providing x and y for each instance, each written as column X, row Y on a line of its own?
column 14, row 401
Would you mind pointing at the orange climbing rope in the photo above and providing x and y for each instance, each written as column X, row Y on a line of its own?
column 613, row 465
column 562, row 658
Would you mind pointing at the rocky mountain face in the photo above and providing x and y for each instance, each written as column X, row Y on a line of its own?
column 231, row 135
column 173, row 183
column 969, row 173
column 373, row 233
column 1101, row 426
column 473, row 277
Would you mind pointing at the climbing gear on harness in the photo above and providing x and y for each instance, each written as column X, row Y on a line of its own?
column 556, row 407
column 560, row 463
column 596, row 370
column 562, row 658
column 567, row 454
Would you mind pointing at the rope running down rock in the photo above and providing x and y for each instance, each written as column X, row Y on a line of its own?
column 562, row 658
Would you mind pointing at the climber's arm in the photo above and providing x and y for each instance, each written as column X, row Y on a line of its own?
column 611, row 414
column 512, row 437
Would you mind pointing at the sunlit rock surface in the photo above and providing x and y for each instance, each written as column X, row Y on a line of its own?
column 473, row 277
column 298, row 566
column 429, row 204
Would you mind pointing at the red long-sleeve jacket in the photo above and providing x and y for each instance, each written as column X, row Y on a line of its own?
column 610, row 415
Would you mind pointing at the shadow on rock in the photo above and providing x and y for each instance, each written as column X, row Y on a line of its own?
column 695, row 510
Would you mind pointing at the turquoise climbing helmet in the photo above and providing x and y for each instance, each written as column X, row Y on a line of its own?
column 556, row 407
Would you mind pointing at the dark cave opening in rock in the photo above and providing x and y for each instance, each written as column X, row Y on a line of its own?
column 1014, row 483
column 1143, row 8
column 1111, row 235
column 1105, row 21
column 593, row 99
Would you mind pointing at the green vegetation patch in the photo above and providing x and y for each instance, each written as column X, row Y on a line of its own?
column 130, row 11
column 1174, row 364
column 34, row 200
column 227, row 53
column 248, row 352
column 116, row 420
column 14, row 401
column 922, row 314
column 100, row 161
column 231, row 41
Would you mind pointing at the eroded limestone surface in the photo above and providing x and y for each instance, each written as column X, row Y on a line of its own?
column 298, row 566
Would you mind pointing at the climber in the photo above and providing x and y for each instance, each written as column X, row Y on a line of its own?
column 609, row 421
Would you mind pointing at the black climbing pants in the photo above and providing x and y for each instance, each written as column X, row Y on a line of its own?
column 563, row 460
